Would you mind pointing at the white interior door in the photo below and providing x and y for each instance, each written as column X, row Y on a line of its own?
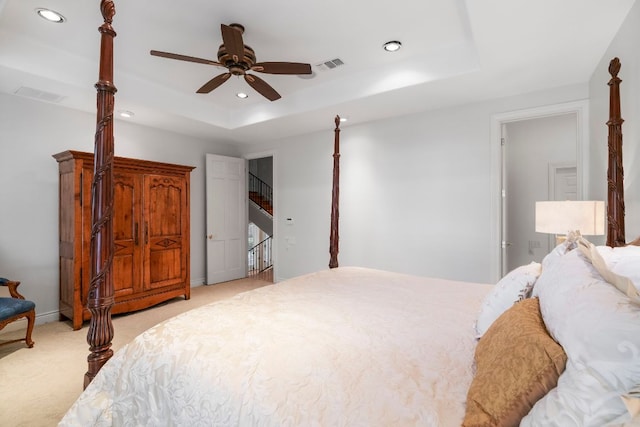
column 226, row 218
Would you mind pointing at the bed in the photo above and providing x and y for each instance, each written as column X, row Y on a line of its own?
column 555, row 343
column 305, row 355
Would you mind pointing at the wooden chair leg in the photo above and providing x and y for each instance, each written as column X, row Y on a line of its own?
column 31, row 320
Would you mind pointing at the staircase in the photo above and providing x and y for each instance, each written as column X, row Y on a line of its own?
column 261, row 214
column 260, row 261
column 260, row 193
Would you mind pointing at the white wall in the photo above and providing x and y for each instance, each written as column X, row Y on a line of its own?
column 415, row 195
column 30, row 132
column 415, row 192
column 625, row 47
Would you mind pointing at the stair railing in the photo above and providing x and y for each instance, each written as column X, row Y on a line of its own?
column 261, row 193
column 259, row 257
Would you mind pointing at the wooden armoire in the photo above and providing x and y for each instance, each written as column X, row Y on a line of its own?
column 150, row 229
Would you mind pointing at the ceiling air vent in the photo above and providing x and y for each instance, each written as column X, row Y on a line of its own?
column 330, row 65
column 41, row 95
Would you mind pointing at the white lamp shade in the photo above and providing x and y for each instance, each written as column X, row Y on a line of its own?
column 561, row 217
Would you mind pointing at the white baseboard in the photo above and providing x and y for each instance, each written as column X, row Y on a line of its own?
column 198, row 281
column 41, row 318
column 52, row 316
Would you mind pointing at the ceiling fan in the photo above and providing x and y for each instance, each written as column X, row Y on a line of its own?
column 239, row 58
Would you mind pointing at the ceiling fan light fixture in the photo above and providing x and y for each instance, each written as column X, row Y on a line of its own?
column 392, row 46
column 242, row 95
column 50, row 15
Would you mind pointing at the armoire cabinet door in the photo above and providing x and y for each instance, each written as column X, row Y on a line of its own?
column 166, row 213
column 127, row 218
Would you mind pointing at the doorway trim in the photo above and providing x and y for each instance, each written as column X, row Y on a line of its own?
column 581, row 110
column 274, row 189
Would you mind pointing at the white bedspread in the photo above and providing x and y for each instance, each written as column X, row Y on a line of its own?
column 342, row 347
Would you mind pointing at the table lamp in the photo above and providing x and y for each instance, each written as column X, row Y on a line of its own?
column 584, row 217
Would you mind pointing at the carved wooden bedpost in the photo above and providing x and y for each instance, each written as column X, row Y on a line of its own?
column 335, row 199
column 100, row 299
column 615, row 175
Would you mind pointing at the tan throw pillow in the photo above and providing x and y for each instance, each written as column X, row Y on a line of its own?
column 517, row 363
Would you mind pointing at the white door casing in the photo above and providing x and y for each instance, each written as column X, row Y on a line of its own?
column 226, row 194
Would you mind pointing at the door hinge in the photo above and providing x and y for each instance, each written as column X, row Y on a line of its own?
column 502, row 141
column 504, row 193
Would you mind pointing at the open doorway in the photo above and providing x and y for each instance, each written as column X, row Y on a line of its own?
column 539, row 164
column 500, row 214
column 260, row 225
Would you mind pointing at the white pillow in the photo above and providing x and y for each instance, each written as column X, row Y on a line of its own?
column 513, row 287
column 564, row 247
column 624, row 260
column 559, row 251
column 599, row 329
column 622, row 283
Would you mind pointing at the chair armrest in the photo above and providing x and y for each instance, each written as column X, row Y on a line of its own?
column 13, row 287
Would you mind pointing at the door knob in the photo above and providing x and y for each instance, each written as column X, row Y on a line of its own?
column 210, row 236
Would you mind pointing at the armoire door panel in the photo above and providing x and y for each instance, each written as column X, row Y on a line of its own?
column 123, row 275
column 127, row 279
column 165, row 267
column 165, row 198
column 165, row 201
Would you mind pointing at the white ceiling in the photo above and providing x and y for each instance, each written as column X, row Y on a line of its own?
column 454, row 51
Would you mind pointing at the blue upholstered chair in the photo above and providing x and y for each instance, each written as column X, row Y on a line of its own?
column 14, row 308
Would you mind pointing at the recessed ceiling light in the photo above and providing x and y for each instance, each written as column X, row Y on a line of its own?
column 392, row 46
column 50, row 15
column 242, row 95
column 343, row 119
column 126, row 114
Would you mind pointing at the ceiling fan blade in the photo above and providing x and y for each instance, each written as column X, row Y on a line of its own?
column 262, row 87
column 282, row 68
column 232, row 39
column 184, row 58
column 214, row 83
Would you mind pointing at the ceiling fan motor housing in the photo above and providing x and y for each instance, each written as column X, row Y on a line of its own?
column 237, row 68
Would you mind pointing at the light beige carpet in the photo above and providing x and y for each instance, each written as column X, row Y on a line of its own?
column 38, row 385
